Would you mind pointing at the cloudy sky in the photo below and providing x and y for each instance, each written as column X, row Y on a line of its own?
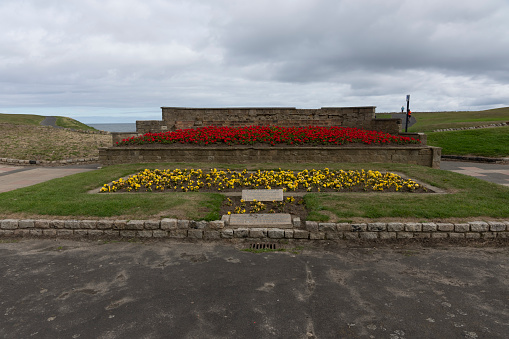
column 121, row 60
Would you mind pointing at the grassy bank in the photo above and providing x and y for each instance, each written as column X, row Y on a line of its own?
column 22, row 137
column 30, row 142
column 67, row 197
column 488, row 142
column 428, row 122
column 21, row 119
column 35, row 120
column 74, row 124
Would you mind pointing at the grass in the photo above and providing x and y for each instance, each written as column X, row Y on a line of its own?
column 35, row 120
column 428, row 122
column 21, row 119
column 468, row 198
column 67, row 197
column 488, row 142
column 30, row 142
column 23, row 138
column 74, row 124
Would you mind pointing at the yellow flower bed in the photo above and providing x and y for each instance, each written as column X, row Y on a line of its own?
column 194, row 180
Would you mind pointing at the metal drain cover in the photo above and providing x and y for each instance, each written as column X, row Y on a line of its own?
column 265, row 246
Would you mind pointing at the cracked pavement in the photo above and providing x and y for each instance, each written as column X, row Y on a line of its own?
column 56, row 288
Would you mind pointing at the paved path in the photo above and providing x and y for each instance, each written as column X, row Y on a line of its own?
column 14, row 177
column 78, row 289
column 497, row 173
column 50, row 121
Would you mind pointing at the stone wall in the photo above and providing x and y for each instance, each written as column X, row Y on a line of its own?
column 219, row 229
column 413, row 154
column 182, row 118
column 119, row 136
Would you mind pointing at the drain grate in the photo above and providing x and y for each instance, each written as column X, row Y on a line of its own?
column 264, row 246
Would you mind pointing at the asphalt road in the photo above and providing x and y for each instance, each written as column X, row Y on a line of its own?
column 50, row 121
column 70, row 289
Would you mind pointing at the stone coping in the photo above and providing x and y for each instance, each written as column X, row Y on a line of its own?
column 219, row 229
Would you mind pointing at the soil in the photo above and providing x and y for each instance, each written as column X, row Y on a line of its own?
column 295, row 208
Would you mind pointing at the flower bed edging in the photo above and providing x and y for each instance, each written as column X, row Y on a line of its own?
column 218, row 229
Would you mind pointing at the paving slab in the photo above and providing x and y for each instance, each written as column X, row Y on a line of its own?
column 496, row 173
column 276, row 220
column 14, row 177
column 262, row 195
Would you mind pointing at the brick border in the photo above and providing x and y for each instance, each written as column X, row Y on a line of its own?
column 219, row 229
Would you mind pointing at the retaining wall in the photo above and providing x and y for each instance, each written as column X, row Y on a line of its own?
column 219, row 229
column 414, row 154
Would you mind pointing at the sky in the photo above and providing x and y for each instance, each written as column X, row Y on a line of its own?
column 121, row 60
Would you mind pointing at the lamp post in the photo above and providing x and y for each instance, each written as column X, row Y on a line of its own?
column 407, row 111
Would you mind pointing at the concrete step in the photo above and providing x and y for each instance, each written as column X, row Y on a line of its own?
column 272, row 220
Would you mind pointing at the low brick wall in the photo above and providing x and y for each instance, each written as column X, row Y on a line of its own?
column 215, row 230
column 414, row 154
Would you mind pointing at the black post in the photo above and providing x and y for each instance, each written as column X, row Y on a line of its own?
column 407, row 110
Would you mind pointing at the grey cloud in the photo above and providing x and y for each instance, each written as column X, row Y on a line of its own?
column 334, row 37
column 305, row 53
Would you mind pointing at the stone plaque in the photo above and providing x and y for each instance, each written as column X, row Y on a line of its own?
column 262, row 195
column 277, row 220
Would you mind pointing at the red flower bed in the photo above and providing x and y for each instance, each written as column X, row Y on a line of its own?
column 272, row 135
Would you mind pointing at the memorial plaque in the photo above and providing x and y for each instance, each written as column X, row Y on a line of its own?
column 262, row 195
column 276, row 220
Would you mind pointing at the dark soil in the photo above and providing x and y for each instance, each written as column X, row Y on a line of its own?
column 296, row 208
column 183, row 186
column 355, row 189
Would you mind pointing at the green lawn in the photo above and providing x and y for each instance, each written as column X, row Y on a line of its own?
column 21, row 119
column 468, row 197
column 488, row 142
column 428, row 122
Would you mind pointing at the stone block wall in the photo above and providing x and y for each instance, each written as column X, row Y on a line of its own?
column 418, row 154
column 182, row 118
column 219, row 229
column 119, row 136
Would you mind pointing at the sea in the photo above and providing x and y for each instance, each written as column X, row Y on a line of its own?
column 120, row 127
